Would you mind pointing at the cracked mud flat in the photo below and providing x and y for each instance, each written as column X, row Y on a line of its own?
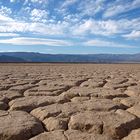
column 69, row 102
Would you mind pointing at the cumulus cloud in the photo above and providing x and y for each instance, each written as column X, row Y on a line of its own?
column 108, row 28
column 104, row 28
column 104, row 43
column 80, row 21
column 35, row 41
column 71, row 25
column 39, row 15
column 11, row 25
column 5, row 11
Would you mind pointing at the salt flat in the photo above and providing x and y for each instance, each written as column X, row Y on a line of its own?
column 69, row 101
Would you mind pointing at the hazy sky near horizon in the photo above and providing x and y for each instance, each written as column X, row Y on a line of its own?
column 70, row 26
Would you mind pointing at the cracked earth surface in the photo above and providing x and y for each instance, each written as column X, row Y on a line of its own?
column 69, row 102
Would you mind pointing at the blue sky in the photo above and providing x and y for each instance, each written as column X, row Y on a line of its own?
column 70, row 26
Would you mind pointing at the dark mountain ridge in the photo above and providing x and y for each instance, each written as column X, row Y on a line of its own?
column 89, row 58
column 6, row 58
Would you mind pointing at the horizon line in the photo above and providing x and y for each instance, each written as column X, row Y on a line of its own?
column 67, row 53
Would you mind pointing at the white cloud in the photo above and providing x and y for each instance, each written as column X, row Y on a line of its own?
column 48, row 29
column 39, row 15
column 108, row 28
column 133, row 35
column 35, row 41
column 8, row 34
column 69, row 27
column 72, row 25
column 10, row 25
column 119, row 7
column 34, row 0
column 40, row 2
column 5, row 19
column 82, row 7
column 5, row 11
column 67, row 3
column 90, row 7
column 104, row 43
column 91, row 26
column 63, row 7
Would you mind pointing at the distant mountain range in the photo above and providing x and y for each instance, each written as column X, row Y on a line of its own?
column 90, row 58
column 6, row 58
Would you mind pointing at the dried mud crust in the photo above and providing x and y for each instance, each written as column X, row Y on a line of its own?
column 69, row 102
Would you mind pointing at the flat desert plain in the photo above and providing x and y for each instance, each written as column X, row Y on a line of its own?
column 69, row 101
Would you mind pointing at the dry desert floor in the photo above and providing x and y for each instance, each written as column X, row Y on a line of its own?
column 69, row 101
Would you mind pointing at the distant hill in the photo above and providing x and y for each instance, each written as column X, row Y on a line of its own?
column 94, row 58
column 5, row 58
